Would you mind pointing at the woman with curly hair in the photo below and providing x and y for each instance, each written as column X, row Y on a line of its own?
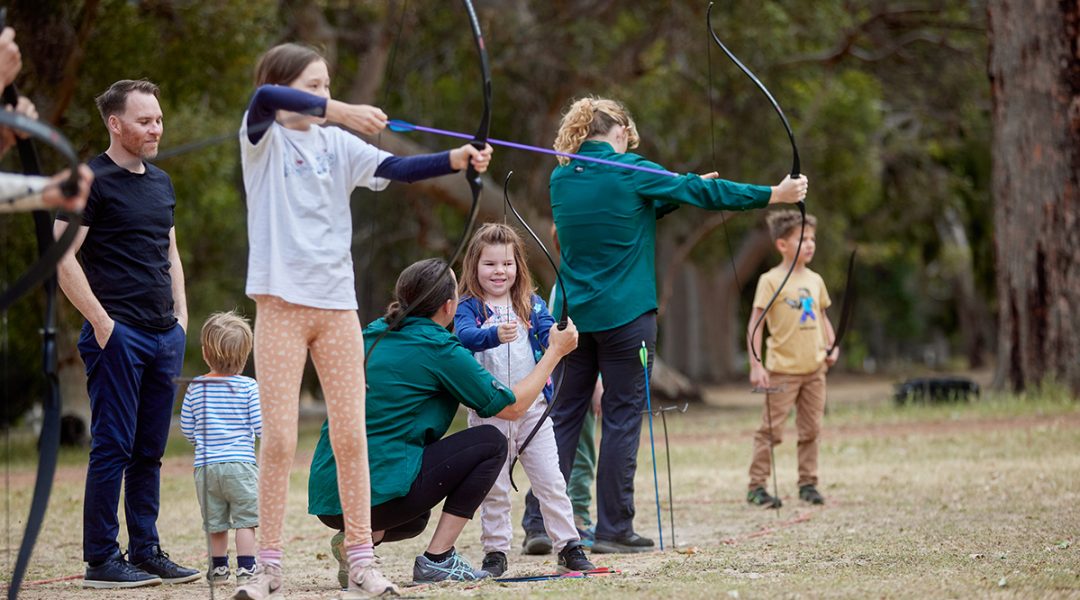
column 606, row 222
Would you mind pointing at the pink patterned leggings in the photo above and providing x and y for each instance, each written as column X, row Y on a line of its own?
column 284, row 333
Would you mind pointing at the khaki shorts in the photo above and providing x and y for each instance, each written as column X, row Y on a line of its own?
column 228, row 495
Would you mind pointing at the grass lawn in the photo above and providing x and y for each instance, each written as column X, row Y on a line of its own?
column 970, row 500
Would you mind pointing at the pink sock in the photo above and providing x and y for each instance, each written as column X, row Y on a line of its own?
column 360, row 555
column 271, row 557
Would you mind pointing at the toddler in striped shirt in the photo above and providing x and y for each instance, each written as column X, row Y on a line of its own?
column 222, row 418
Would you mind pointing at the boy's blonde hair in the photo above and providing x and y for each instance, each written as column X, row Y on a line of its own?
column 226, row 340
column 783, row 223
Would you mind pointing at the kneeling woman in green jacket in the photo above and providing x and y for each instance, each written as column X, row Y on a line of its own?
column 416, row 380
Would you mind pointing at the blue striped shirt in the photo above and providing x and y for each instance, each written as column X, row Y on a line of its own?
column 221, row 417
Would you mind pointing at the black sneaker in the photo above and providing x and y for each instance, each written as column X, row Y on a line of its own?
column 810, row 494
column 495, row 563
column 572, row 558
column 169, row 572
column 628, row 544
column 760, row 497
column 115, row 573
column 536, row 542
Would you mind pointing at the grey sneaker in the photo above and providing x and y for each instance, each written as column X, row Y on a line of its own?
column 266, row 583
column 628, row 544
column 536, row 542
column 455, row 568
column 337, row 548
column 218, row 575
column 367, row 581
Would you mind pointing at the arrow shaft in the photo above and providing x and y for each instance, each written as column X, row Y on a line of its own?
column 404, row 126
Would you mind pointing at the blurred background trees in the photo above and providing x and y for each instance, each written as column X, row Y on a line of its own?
column 890, row 102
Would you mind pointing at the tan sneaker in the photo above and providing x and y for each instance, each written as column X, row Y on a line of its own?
column 365, row 582
column 266, row 583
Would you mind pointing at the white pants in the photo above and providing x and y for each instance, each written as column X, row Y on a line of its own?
column 541, row 464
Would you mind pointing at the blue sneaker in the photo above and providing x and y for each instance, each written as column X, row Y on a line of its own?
column 455, row 568
column 117, row 573
column 587, row 536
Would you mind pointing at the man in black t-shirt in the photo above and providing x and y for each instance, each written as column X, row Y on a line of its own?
column 130, row 289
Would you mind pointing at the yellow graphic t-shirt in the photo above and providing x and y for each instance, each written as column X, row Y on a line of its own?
column 796, row 341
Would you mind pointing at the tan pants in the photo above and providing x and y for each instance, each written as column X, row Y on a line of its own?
column 807, row 394
column 284, row 333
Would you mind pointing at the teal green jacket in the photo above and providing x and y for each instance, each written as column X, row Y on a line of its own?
column 606, row 218
column 416, row 380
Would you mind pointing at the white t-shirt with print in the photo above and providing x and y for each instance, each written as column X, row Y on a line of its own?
column 298, row 185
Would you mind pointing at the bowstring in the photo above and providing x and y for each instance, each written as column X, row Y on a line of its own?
column 378, row 143
column 712, row 147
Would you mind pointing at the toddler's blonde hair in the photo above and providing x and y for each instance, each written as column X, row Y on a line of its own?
column 226, row 340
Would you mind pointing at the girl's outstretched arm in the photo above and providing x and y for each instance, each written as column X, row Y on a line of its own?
column 269, row 99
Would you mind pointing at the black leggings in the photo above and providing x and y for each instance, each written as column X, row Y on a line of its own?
column 460, row 468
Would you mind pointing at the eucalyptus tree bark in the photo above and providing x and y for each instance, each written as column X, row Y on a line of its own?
column 1035, row 85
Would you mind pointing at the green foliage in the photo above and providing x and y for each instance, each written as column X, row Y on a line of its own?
column 890, row 108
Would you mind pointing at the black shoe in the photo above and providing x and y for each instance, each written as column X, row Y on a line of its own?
column 115, row 572
column 630, row 543
column 536, row 542
column 760, row 497
column 572, row 558
column 494, row 563
column 810, row 494
column 169, row 572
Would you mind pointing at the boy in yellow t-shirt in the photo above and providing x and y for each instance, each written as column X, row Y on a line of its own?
column 795, row 361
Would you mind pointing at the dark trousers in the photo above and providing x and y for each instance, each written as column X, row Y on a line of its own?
column 614, row 354
column 460, row 468
column 131, row 388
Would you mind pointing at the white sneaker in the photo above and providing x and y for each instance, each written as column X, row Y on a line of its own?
column 244, row 575
column 367, row 581
column 266, row 583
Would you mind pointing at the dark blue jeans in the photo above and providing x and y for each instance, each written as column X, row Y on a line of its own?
column 131, row 388
column 614, row 354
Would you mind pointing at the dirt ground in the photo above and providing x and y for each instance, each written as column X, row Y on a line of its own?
column 948, row 501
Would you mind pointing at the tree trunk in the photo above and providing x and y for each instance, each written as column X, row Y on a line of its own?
column 1035, row 85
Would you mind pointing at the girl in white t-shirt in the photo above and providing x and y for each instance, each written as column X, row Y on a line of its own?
column 299, row 175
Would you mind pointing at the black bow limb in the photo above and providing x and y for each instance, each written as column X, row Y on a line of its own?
column 563, row 321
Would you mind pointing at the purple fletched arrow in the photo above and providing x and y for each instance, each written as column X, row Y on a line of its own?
column 404, row 126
